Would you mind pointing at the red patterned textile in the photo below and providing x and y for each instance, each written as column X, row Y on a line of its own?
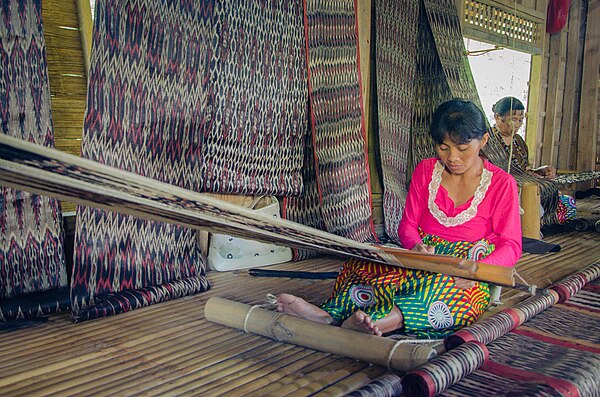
column 538, row 348
column 337, row 196
column 32, row 266
column 556, row 353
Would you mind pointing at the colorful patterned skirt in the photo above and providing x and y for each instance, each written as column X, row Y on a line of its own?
column 431, row 304
column 567, row 210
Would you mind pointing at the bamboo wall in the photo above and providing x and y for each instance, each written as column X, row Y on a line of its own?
column 66, row 72
column 567, row 133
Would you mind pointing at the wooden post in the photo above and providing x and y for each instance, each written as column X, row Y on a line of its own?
column 530, row 202
column 590, row 88
column 84, row 11
column 345, row 342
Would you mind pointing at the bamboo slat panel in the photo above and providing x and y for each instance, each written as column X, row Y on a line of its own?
column 171, row 349
column 66, row 75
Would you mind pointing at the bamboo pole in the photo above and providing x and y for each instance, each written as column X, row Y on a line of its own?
column 341, row 341
column 47, row 171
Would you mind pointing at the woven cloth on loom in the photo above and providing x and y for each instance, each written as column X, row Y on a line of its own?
column 524, row 350
column 336, row 120
column 32, row 268
column 395, row 42
column 556, row 353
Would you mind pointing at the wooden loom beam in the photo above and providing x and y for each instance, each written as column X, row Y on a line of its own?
column 341, row 341
column 49, row 172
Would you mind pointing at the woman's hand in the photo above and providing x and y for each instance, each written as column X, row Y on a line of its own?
column 463, row 283
column 427, row 249
column 547, row 172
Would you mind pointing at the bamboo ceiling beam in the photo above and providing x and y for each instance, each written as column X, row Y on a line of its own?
column 46, row 171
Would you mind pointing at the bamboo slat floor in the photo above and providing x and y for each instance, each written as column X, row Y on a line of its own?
column 170, row 349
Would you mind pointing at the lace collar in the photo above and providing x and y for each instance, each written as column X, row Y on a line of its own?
column 466, row 215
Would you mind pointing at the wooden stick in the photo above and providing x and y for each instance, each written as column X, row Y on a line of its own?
column 341, row 341
column 47, row 171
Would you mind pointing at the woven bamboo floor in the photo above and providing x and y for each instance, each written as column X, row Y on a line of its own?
column 170, row 349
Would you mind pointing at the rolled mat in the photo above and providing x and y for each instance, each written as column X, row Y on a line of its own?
column 493, row 327
column 442, row 372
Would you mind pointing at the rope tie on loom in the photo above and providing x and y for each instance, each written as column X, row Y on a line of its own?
column 271, row 304
column 532, row 288
column 404, row 341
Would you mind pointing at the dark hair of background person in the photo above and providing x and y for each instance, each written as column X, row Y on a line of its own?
column 460, row 120
column 504, row 106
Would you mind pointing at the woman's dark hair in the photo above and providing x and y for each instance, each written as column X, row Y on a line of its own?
column 460, row 120
column 507, row 105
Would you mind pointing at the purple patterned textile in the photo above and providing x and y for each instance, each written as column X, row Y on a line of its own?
column 32, row 266
column 176, row 90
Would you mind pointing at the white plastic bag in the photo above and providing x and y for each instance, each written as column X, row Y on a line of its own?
column 230, row 253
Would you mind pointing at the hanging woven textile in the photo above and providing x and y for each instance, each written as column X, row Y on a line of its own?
column 336, row 119
column 305, row 209
column 209, row 96
column 395, row 42
column 143, row 114
column 430, row 90
column 33, row 275
column 254, row 118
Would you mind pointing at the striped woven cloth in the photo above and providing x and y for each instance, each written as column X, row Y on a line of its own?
column 556, row 353
column 545, row 345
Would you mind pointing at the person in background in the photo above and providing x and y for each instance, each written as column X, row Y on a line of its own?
column 451, row 209
column 509, row 114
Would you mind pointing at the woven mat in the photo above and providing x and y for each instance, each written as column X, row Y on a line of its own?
column 340, row 188
column 31, row 243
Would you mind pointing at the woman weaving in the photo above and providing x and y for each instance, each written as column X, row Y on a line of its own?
column 453, row 208
column 509, row 114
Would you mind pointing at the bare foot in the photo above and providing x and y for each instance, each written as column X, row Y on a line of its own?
column 360, row 321
column 296, row 306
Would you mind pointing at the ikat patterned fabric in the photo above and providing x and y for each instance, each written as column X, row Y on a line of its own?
column 32, row 266
column 208, row 96
column 337, row 188
column 395, row 53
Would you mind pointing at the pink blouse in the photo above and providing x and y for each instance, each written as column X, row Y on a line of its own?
column 496, row 218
